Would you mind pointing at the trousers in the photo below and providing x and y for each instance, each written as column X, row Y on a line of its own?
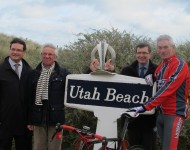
column 169, row 129
column 21, row 142
column 43, row 138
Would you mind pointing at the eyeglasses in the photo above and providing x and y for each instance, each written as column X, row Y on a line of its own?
column 143, row 53
column 49, row 54
column 16, row 50
column 163, row 47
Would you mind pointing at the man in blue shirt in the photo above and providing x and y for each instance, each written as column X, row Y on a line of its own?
column 141, row 131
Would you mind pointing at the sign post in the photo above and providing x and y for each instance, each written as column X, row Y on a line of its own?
column 106, row 94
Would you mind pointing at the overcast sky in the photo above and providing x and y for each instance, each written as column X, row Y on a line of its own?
column 58, row 21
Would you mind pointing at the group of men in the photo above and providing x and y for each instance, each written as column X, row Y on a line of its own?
column 171, row 98
column 32, row 101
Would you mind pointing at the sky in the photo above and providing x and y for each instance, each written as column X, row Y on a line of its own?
column 59, row 21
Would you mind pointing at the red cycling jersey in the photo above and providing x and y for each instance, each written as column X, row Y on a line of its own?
column 172, row 77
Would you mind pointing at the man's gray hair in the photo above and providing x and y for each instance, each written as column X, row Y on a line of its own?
column 51, row 46
column 165, row 37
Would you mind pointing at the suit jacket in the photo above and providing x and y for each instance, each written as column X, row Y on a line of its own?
column 144, row 122
column 13, row 101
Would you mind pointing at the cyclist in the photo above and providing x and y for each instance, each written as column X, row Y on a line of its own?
column 172, row 77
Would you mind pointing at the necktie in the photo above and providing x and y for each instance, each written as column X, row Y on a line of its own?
column 16, row 69
column 142, row 72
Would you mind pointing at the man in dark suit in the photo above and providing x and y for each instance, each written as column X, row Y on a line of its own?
column 13, row 102
column 142, row 130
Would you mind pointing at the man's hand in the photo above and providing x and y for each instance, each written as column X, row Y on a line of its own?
column 94, row 65
column 30, row 127
column 109, row 66
column 137, row 110
column 149, row 79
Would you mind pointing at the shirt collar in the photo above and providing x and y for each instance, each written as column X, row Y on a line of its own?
column 12, row 63
column 146, row 66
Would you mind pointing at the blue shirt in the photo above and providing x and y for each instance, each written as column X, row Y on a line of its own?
column 145, row 68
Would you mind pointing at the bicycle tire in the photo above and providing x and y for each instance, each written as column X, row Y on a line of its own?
column 111, row 142
column 86, row 147
column 136, row 147
column 81, row 145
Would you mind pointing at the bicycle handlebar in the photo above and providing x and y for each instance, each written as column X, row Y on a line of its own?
column 81, row 132
column 130, row 114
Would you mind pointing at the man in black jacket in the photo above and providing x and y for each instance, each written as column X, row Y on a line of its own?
column 142, row 130
column 13, row 101
column 46, row 94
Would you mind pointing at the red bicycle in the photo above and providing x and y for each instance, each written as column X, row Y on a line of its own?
column 87, row 140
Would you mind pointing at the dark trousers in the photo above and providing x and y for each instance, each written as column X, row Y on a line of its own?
column 22, row 142
column 145, row 138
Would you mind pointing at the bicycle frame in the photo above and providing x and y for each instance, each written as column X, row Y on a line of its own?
column 87, row 139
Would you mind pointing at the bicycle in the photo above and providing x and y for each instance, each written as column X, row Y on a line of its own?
column 87, row 139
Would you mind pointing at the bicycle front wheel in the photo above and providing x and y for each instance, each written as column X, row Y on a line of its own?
column 82, row 145
column 136, row 147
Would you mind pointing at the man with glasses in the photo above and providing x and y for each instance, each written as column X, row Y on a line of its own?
column 46, row 96
column 13, row 99
column 172, row 77
column 142, row 130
